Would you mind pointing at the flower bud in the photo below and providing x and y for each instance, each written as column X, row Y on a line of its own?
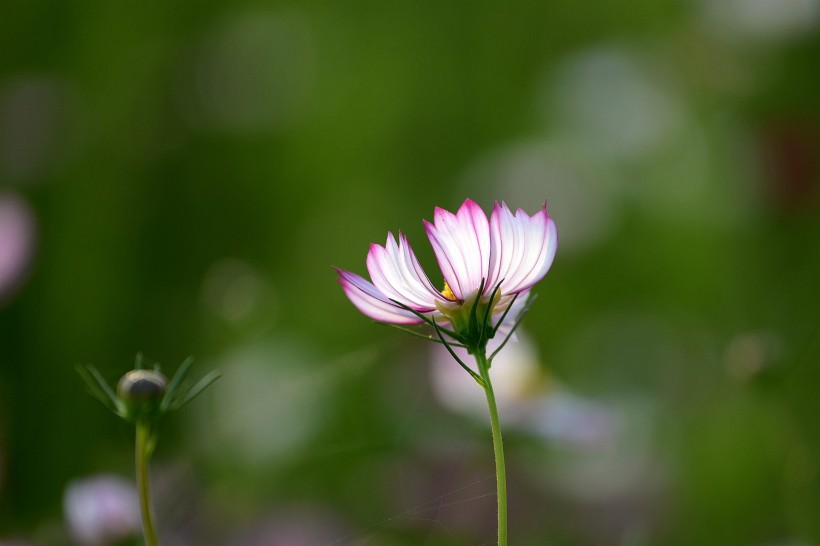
column 142, row 392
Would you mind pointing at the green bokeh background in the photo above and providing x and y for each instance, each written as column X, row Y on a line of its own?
column 196, row 169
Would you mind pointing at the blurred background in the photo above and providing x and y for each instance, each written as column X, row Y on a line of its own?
column 178, row 179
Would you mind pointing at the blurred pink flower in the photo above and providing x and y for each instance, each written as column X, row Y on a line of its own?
column 101, row 509
column 16, row 241
column 509, row 252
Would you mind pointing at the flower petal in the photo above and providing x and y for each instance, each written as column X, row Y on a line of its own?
column 461, row 242
column 522, row 248
column 370, row 301
column 396, row 273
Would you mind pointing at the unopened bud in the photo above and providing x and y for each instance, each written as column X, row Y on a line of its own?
column 142, row 392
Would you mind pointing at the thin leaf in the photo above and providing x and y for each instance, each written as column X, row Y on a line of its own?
column 474, row 375
column 481, row 339
column 93, row 388
column 98, row 387
column 429, row 321
column 518, row 321
column 503, row 316
column 196, row 390
column 428, row 337
column 175, row 383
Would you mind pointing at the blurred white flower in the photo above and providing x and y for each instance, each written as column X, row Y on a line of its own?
column 515, row 374
column 750, row 353
column 618, row 102
column 101, row 509
column 272, row 399
column 760, row 20
column 529, row 401
column 583, row 191
column 234, row 291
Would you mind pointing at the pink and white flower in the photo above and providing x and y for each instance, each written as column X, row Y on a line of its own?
column 483, row 261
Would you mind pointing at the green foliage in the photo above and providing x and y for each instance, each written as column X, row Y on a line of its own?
column 194, row 171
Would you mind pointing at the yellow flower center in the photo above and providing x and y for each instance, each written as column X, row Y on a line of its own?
column 448, row 292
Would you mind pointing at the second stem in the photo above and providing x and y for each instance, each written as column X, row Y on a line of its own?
column 144, row 448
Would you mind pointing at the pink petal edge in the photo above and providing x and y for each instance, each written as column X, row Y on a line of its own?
column 461, row 243
column 513, row 238
column 371, row 302
column 397, row 275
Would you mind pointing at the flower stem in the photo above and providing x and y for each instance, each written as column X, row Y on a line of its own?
column 498, row 447
column 144, row 447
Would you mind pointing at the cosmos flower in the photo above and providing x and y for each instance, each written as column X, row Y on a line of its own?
column 488, row 265
column 485, row 264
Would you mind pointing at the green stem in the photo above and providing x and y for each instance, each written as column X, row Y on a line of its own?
column 498, row 447
column 144, row 448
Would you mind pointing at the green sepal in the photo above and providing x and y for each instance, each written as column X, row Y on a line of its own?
column 99, row 388
column 518, row 320
column 194, row 391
